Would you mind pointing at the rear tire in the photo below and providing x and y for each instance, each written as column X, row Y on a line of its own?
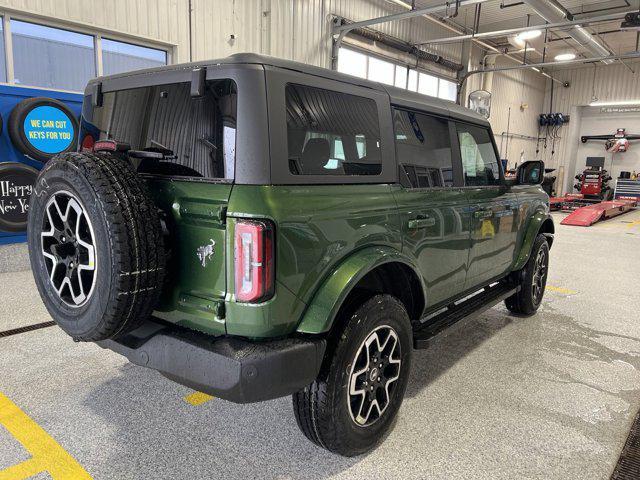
column 95, row 245
column 532, row 280
column 339, row 411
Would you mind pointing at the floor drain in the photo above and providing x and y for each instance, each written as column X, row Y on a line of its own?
column 28, row 328
column 628, row 467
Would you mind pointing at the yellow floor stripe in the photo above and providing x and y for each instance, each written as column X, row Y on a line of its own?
column 566, row 291
column 197, row 398
column 46, row 454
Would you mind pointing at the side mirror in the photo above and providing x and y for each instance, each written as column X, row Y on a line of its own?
column 530, row 173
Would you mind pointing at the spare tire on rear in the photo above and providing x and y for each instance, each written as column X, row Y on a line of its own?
column 95, row 245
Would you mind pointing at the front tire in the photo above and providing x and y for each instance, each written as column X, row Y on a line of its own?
column 350, row 407
column 532, row 280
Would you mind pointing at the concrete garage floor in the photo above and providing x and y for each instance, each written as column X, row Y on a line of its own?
column 552, row 396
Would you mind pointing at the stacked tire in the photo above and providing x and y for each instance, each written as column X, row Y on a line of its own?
column 30, row 110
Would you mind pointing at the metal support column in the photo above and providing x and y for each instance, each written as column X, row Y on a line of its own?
column 462, row 74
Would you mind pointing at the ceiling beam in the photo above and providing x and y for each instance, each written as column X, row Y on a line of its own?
column 510, row 31
column 554, row 64
column 337, row 29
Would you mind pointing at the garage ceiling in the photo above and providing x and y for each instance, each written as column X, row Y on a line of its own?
column 498, row 15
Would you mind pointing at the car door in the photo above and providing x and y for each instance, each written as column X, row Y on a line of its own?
column 493, row 206
column 433, row 209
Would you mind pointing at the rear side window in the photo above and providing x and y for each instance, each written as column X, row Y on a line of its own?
column 331, row 133
column 197, row 135
column 479, row 162
column 423, row 149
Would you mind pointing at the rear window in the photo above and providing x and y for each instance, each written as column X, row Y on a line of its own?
column 331, row 133
column 196, row 135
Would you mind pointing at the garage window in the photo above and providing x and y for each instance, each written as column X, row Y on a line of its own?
column 56, row 58
column 331, row 133
column 118, row 57
column 51, row 57
column 3, row 66
column 373, row 68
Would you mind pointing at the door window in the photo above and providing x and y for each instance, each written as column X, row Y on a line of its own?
column 479, row 162
column 331, row 133
column 423, row 149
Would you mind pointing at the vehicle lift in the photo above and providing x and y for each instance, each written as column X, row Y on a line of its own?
column 594, row 202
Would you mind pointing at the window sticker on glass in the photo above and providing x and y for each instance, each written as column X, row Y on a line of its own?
column 469, row 153
column 416, row 127
column 479, row 161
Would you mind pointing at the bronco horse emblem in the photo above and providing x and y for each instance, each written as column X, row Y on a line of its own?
column 205, row 252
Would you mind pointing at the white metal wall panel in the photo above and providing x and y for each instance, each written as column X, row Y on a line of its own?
column 225, row 27
column 612, row 83
column 296, row 29
column 521, row 92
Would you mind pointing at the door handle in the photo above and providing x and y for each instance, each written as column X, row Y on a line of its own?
column 483, row 213
column 421, row 222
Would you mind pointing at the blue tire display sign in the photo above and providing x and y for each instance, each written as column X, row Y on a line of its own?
column 49, row 129
column 43, row 127
column 16, row 184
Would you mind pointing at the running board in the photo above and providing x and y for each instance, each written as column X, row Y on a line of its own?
column 441, row 320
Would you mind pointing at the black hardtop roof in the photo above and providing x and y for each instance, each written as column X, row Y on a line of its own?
column 398, row 96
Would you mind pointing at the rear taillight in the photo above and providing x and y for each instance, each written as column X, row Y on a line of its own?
column 105, row 146
column 110, row 146
column 87, row 143
column 254, row 261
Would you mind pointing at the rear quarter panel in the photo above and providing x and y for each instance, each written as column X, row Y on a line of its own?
column 317, row 227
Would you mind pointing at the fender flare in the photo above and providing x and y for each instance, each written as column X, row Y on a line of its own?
column 323, row 309
column 537, row 221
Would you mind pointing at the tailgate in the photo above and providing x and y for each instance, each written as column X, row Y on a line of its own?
column 195, row 286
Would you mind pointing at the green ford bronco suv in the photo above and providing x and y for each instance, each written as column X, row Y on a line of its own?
column 253, row 228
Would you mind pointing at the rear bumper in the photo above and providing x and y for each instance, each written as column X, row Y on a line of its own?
column 230, row 368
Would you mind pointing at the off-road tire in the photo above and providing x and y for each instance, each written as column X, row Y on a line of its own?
column 322, row 410
column 525, row 302
column 129, row 251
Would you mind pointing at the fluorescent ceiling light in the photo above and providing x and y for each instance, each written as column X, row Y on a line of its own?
column 617, row 102
column 529, row 35
column 563, row 57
